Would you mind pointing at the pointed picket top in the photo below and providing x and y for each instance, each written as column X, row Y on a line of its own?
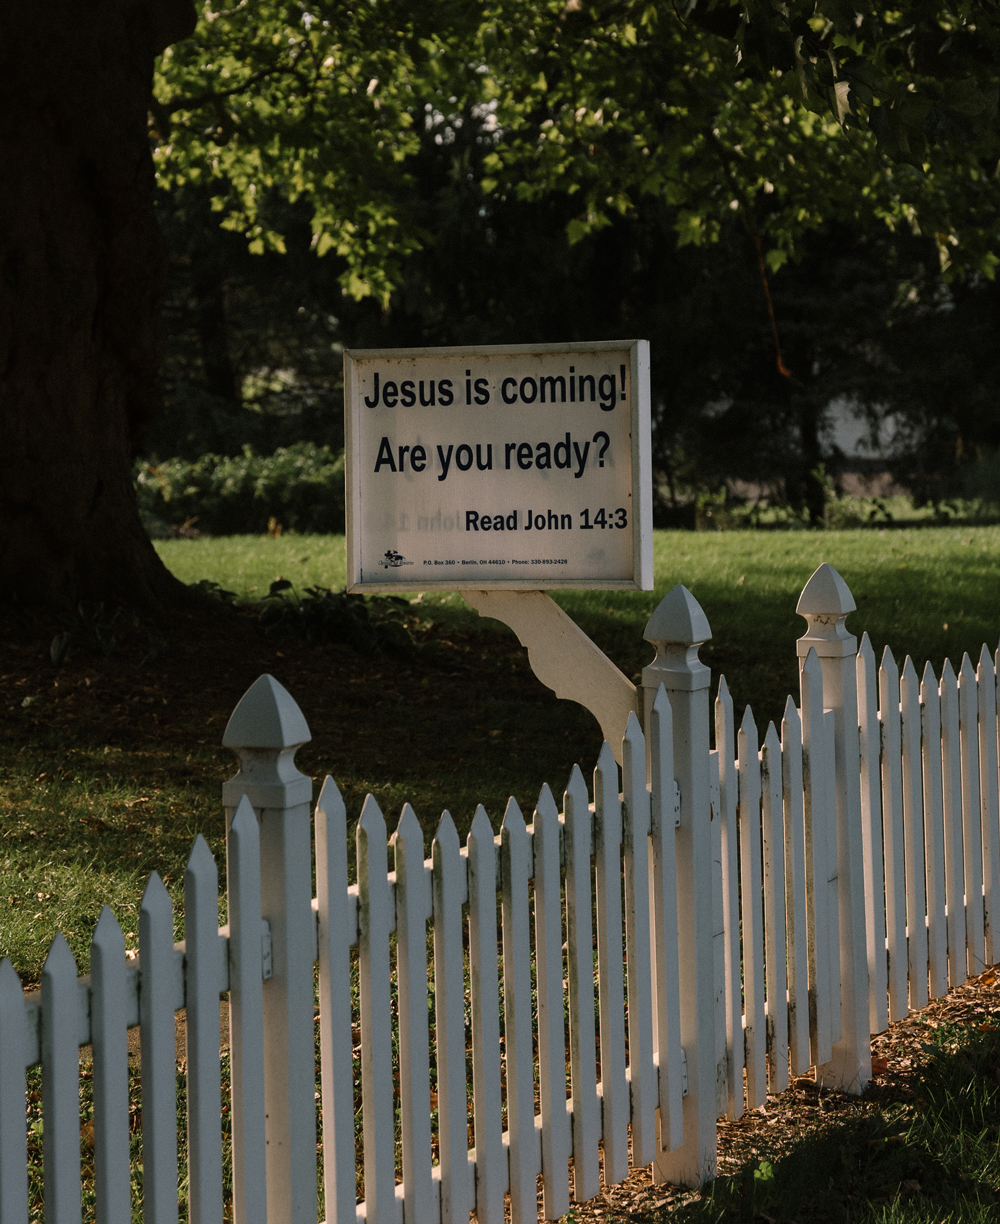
column 722, row 693
column 244, row 814
column 679, row 618
column 812, row 667
column 513, row 817
column 662, row 706
column 984, row 658
column 371, row 822
column 267, row 716
column 948, row 673
column 748, row 727
column 155, row 898
column 576, row 788
column 968, row 672
column 606, row 763
column 481, row 830
column 826, row 593
column 200, row 860
column 633, row 757
column 108, row 934
column 447, row 835
column 772, row 741
column 546, row 805
column 330, row 798
column 866, row 648
column 59, row 962
column 888, row 664
column 928, row 677
column 408, row 830
column 909, row 671
column 791, row 710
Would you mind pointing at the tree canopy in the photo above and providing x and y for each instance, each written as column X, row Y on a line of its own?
column 792, row 114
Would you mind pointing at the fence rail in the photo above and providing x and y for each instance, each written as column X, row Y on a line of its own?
column 598, row 987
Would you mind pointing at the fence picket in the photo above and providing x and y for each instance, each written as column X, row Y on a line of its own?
column 666, row 979
column 892, row 834
column 451, row 891
column 162, row 992
column 718, row 939
column 829, row 793
column 337, row 930
column 818, row 918
column 871, row 834
column 773, row 834
column 972, row 833
column 109, row 1035
column 795, row 890
column 13, row 1128
column 205, row 979
column 551, row 1032
column 522, row 1137
column 413, row 908
column 491, row 1155
column 951, row 792
column 937, row 931
column 987, row 693
column 913, row 835
column 725, row 743
column 61, row 1084
column 246, row 1018
column 751, row 886
column 642, row 1070
column 580, row 974
column 376, row 918
column 610, row 979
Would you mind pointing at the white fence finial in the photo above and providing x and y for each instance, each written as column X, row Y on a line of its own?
column 825, row 603
column 677, row 628
column 265, row 730
column 266, row 716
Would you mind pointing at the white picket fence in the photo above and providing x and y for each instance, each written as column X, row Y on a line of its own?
column 617, row 975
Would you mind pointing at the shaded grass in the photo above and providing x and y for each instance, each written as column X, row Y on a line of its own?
column 930, row 592
column 927, row 1154
column 112, row 765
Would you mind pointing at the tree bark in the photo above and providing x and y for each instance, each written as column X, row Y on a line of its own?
column 81, row 270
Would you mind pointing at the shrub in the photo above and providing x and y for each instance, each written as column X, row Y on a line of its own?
column 299, row 487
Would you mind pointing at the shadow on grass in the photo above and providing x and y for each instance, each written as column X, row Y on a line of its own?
column 932, row 1158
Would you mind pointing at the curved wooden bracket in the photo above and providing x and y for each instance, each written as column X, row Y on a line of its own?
column 564, row 658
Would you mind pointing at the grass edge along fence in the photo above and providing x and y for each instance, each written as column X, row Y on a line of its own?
column 860, row 847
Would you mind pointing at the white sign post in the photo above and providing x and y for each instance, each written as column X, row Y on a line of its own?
column 518, row 467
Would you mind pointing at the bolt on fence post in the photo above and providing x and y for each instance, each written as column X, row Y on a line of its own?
column 677, row 628
column 825, row 603
column 265, row 730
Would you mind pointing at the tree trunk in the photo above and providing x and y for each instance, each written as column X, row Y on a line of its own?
column 81, row 269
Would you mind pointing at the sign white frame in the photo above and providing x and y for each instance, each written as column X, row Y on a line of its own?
column 641, row 524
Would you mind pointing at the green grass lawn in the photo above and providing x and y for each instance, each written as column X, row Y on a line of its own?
column 928, row 592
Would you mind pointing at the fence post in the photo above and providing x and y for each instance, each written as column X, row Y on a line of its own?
column 677, row 628
column 824, row 604
column 265, row 730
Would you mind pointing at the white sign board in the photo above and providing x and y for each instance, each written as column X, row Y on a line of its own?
column 524, row 467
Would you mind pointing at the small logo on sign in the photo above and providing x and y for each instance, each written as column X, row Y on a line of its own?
column 393, row 560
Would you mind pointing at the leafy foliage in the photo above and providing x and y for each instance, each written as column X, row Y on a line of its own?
column 322, row 616
column 319, row 101
column 300, row 486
